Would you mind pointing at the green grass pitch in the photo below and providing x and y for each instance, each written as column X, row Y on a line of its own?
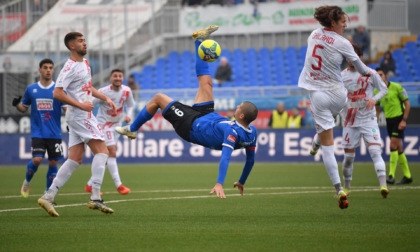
column 286, row 207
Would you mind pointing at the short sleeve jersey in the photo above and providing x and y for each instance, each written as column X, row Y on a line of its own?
column 75, row 78
column 393, row 101
column 360, row 88
column 45, row 111
column 326, row 51
column 120, row 98
column 215, row 131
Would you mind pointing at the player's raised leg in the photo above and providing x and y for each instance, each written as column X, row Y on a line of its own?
column 158, row 101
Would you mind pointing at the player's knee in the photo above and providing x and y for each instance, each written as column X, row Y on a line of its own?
column 374, row 150
column 52, row 162
column 37, row 160
column 348, row 159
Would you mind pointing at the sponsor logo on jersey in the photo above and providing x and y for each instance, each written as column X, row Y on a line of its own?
column 231, row 138
column 44, row 104
column 35, row 90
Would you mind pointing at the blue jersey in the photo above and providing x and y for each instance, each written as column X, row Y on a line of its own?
column 215, row 131
column 45, row 111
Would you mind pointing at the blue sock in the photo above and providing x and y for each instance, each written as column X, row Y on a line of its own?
column 141, row 118
column 30, row 171
column 52, row 172
column 201, row 67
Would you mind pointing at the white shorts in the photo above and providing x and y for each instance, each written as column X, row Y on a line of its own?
column 82, row 131
column 325, row 105
column 352, row 136
column 111, row 137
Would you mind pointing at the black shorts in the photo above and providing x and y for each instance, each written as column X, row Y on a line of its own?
column 182, row 116
column 392, row 127
column 52, row 146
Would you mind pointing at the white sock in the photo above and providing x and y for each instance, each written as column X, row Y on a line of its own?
column 331, row 164
column 378, row 163
column 348, row 168
column 98, row 170
column 113, row 169
column 63, row 174
column 317, row 140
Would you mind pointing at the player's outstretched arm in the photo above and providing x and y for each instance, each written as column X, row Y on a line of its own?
column 382, row 90
column 249, row 164
column 223, row 167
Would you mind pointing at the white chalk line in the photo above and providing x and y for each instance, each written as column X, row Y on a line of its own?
column 328, row 190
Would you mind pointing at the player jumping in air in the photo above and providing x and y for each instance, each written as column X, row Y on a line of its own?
column 200, row 125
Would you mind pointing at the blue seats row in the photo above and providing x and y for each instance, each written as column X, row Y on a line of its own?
column 251, row 67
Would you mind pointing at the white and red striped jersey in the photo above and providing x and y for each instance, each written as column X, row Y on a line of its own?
column 360, row 88
column 120, row 97
column 75, row 78
column 326, row 51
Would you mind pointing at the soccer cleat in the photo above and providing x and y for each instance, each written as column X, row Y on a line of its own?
column 126, row 131
column 384, row 191
column 346, row 191
column 123, row 190
column 405, row 180
column 390, row 180
column 342, row 200
column 48, row 205
column 314, row 147
column 203, row 34
column 88, row 189
column 99, row 205
column 25, row 189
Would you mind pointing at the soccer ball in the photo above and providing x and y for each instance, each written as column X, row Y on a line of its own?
column 209, row 50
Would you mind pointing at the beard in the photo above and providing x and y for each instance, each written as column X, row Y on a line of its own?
column 82, row 52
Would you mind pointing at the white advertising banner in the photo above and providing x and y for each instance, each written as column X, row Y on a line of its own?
column 267, row 17
column 72, row 15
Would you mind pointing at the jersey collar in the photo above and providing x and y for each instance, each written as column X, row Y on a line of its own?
column 249, row 130
column 47, row 87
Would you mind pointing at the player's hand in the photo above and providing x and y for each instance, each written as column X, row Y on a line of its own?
column 16, row 101
column 218, row 188
column 112, row 105
column 402, row 125
column 127, row 119
column 240, row 187
column 370, row 103
column 368, row 74
column 87, row 106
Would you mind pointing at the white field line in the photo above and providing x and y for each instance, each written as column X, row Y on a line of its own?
column 354, row 189
column 194, row 190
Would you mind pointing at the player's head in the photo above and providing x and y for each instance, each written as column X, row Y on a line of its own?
column 382, row 73
column 359, row 51
column 116, row 78
column 246, row 112
column 75, row 41
column 46, row 69
column 332, row 17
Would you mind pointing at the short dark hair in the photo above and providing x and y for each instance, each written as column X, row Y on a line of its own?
column 358, row 49
column 380, row 69
column 250, row 111
column 326, row 14
column 45, row 61
column 70, row 37
column 116, row 70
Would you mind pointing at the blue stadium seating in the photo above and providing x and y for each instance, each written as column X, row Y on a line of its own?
column 258, row 68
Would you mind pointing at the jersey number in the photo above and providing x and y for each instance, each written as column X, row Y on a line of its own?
column 179, row 112
column 346, row 138
column 59, row 148
column 318, row 57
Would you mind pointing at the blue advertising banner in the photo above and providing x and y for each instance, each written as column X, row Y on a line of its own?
column 166, row 147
